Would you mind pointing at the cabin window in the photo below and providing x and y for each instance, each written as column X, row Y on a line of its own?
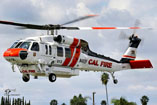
column 50, row 50
column 25, row 45
column 60, row 51
column 35, row 46
column 67, row 52
column 46, row 49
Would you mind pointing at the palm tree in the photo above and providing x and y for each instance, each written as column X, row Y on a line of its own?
column 103, row 102
column 144, row 100
column 104, row 80
column 122, row 101
column 115, row 101
column 53, row 102
column 79, row 100
column 63, row 104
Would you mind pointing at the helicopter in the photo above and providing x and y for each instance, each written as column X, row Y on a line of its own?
column 54, row 55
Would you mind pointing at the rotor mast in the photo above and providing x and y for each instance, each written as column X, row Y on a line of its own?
column 51, row 32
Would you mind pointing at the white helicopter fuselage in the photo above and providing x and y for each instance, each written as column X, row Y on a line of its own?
column 63, row 57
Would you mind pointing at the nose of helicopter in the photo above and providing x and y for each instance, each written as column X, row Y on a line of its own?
column 15, row 53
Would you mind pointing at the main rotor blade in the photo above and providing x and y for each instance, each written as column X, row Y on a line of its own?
column 58, row 27
column 29, row 26
column 104, row 28
column 79, row 19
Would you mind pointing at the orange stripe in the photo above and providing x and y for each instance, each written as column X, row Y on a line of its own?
column 13, row 52
column 128, row 56
column 96, row 28
column 134, row 27
column 92, row 15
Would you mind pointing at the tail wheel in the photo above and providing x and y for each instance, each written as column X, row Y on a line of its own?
column 115, row 81
column 26, row 77
column 52, row 77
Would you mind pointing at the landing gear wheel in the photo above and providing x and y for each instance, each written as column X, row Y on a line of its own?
column 52, row 77
column 115, row 81
column 26, row 77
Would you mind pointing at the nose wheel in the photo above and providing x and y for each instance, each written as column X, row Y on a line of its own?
column 26, row 77
column 115, row 81
column 52, row 77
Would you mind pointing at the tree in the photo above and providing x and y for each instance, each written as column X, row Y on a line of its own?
column 29, row 103
column 122, row 101
column 104, row 80
column 2, row 101
column 78, row 100
column 103, row 102
column 23, row 102
column 115, row 101
column 63, row 104
column 144, row 100
column 18, row 101
column 53, row 102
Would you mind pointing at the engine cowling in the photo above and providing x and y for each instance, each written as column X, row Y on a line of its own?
column 67, row 40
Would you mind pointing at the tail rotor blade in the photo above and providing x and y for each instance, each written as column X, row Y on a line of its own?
column 123, row 36
column 137, row 23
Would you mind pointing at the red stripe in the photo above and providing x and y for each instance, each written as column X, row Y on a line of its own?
column 137, row 64
column 32, row 71
column 67, row 60
column 76, row 57
column 97, row 28
column 72, row 46
column 128, row 56
column 75, row 42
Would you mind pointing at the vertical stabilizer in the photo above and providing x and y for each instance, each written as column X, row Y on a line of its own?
column 130, row 53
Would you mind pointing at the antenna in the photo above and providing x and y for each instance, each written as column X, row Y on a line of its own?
column 8, row 91
column 52, row 32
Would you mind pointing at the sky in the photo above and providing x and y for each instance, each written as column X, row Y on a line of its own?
column 132, row 85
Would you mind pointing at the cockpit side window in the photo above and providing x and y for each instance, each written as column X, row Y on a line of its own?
column 35, row 46
column 25, row 45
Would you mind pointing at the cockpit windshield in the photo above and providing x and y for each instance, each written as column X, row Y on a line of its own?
column 16, row 45
column 25, row 45
column 13, row 46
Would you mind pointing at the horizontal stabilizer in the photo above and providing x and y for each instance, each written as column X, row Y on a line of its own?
column 138, row 64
